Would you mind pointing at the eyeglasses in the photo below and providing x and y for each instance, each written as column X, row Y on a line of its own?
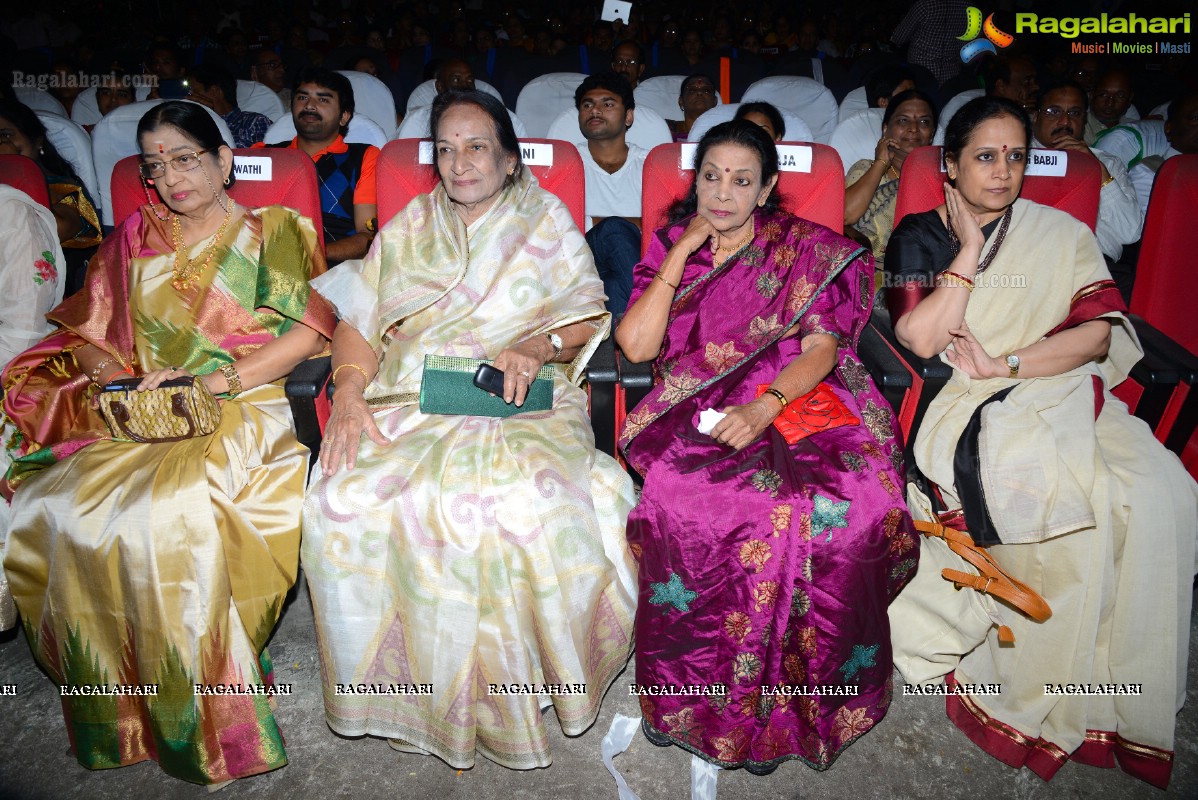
column 625, row 62
column 184, row 163
column 1055, row 111
column 276, row 64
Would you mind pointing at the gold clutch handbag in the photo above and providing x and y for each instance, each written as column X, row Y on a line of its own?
column 181, row 408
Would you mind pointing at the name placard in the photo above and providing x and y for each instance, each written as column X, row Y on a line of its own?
column 791, row 157
column 253, row 168
column 1052, row 163
column 794, row 158
column 535, row 154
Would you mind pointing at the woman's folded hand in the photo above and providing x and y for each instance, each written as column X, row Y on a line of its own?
column 349, row 421
column 745, row 423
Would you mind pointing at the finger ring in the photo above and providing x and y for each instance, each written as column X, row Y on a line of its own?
column 525, row 374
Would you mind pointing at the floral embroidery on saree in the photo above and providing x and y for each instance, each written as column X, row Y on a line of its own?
column 861, row 658
column 672, row 593
column 829, row 514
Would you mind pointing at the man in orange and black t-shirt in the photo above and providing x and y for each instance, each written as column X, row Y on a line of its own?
column 322, row 104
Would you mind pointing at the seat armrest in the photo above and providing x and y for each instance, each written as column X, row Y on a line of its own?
column 302, row 387
column 602, row 376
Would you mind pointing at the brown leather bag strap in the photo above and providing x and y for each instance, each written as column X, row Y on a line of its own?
column 993, row 579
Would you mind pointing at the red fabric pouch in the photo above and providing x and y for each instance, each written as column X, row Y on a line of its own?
column 818, row 410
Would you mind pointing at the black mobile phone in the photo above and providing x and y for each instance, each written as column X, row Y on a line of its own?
column 489, row 379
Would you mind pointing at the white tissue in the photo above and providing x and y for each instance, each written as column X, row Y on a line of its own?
column 708, row 418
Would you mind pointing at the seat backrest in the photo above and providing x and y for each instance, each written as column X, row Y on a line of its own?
column 405, row 170
column 810, row 181
column 265, row 177
column 373, row 100
column 1064, row 180
column 362, row 130
column 951, row 107
column 648, row 129
column 854, row 102
column 796, row 129
column 415, row 124
column 73, row 144
column 543, row 99
column 1163, row 292
column 23, row 173
column 260, row 98
column 857, row 137
column 423, row 94
column 115, row 136
column 39, row 100
column 660, row 93
column 807, row 98
column 85, row 110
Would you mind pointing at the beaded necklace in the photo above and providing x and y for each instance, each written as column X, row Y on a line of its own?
column 954, row 245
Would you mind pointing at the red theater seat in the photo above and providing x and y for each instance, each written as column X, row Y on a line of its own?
column 23, row 173
column 1164, row 289
column 811, row 186
column 405, row 168
column 810, row 182
column 1163, row 294
column 265, row 177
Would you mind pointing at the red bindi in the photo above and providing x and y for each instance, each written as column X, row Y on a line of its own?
column 1004, row 148
column 726, row 169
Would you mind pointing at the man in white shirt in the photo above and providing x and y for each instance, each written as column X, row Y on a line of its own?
column 1057, row 124
column 613, row 181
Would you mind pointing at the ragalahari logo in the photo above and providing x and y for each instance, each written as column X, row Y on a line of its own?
column 974, row 26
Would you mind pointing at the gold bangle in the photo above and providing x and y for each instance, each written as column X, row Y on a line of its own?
column 953, row 279
column 231, row 378
column 673, row 286
column 95, row 376
column 781, row 397
column 351, row 366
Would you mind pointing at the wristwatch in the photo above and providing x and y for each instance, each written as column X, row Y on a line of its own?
column 556, row 341
column 1013, row 364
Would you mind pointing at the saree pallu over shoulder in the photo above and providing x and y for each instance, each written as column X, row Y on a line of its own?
column 257, row 288
column 765, row 571
column 790, row 263
column 426, row 252
column 163, row 567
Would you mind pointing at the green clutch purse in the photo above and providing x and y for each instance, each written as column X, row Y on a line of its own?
column 448, row 388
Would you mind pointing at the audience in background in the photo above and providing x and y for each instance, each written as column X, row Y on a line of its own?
column 606, row 110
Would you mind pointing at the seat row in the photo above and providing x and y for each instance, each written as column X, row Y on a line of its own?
column 1160, row 390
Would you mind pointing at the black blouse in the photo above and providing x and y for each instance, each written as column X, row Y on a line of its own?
column 918, row 251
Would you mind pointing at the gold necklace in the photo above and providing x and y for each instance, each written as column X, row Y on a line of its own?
column 186, row 273
column 744, row 241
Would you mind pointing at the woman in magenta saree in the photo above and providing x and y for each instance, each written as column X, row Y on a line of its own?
column 765, row 567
